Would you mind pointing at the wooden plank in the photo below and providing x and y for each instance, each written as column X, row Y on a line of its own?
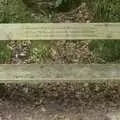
column 56, row 72
column 59, row 31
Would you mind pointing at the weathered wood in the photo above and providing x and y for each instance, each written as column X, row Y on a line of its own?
column 59, row 31
column 55, row 72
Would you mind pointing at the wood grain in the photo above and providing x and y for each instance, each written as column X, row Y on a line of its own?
column 59, row 31
column 54, row 72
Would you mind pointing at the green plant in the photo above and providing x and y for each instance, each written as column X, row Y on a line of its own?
column 14, row 11
column 3, row 11
column 106, row 11
column 17, row 12
column 40, row 50
column 107, row 50
column 5, row 52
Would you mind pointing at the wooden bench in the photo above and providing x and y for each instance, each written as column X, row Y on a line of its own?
column 59, row 72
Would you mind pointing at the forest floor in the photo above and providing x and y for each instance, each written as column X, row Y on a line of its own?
column 59, row 101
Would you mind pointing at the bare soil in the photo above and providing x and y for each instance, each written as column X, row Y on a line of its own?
column 59, row 101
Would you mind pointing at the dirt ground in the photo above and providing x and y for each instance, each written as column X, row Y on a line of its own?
column 59, row 101
column 53, row 111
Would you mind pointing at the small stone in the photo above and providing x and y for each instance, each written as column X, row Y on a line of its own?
column 43, row 109
column 26, row 90
column 88, row 21
column 53, row 52
column 22, row 54
column 97, row 88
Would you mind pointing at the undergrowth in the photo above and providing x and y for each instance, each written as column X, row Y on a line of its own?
column 40, row 51
column 106, row 11
column 5, row 53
